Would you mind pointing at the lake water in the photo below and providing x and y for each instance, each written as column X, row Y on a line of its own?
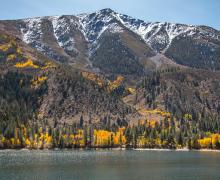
column 109, row 165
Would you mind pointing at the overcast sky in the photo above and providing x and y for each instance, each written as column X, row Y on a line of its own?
column 198, row 12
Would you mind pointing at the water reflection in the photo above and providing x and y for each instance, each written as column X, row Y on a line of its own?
column 109, row 165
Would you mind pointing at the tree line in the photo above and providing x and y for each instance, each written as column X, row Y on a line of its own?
column 168, row 133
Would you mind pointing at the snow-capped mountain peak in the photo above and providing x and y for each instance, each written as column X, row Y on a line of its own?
column 94, row 24
column 81, row 36
column 157, row 35
column 156, row 32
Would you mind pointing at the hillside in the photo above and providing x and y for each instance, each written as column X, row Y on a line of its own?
column 33, row 86
column 78, row 40
column 108, row 74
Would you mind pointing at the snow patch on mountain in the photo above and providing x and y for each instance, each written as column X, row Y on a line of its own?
column 95, row 24
column 151, row 31
column 115, row 28
column 62, row 32
column 32, row 32
column 159, row 36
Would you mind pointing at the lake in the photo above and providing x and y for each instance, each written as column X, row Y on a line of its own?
column 108, row 165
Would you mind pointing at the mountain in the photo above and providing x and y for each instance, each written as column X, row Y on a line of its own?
column 35, row 87
column 108, row 64
column 79, row 40
column 104, row 79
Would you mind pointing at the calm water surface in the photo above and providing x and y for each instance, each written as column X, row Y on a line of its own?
column 109, row 165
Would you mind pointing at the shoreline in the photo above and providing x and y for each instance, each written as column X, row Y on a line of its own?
column 117, row 149
column 178, row 150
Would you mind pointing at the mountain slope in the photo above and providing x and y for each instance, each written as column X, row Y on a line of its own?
column 107, row 46
column 74, row 39
column 34, row 87
column 180, row 91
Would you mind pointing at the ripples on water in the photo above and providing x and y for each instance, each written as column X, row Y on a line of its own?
column 108, row 165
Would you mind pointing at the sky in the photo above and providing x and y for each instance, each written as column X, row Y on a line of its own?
column 195, row 12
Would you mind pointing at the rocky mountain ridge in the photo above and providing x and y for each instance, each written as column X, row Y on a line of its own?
column 76, row 38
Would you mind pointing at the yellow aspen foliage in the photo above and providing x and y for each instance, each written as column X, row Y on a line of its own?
column 27, row 142
column 79, row 138
column 152, row 123
column 131, row 90
column 187, row 116
column 11, row 57
column 28, row 63
column 48, row 65
column 119, row 137
column 215, row 138
column 142, row 121
column 93, row 77
column 160, row 112
column 17, row 142
column 41, row 136
column 158, row 142
column 116, row 83
column 47, row 140
column 141, row 141
column 102, row 138
column 72, row 138
column 18, row 50
column 3, row 139
column 12, row 140
column 205, row 142
column 5, row 47
column 38, row 81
